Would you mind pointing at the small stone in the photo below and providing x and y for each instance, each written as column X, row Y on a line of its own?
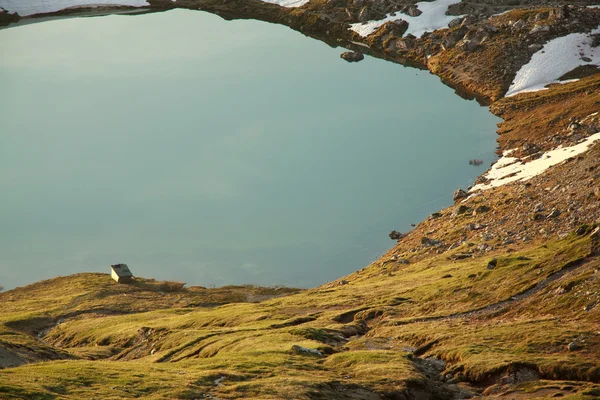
column 462, row 209
column 537, row 217
column 492, row 264
column 539, row 207
column 482, row 209
column 560, row 290
column 425, row 241
column 520, row 24
column 555, row 213
column 534, row 48
column 574, row 346
column 435, row 215
column 590, row 306
column 574, row 126
column 539, row 28
column 476, row 227
column 461, row 256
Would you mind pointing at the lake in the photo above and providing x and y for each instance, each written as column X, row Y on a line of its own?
column 215, row 152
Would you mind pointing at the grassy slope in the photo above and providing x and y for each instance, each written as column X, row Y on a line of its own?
column 165, row 346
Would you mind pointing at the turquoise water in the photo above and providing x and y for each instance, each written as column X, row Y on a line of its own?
column 216, row 152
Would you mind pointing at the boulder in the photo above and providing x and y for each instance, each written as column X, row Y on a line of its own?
column 395, row 235
column 467, row 46
column 456, row 22
column 412, row 10
column 481, row 209
column 395, row 28
column 459, row 194
column 352, row 56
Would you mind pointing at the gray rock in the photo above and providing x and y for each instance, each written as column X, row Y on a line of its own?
column 492, row 264
column 306, row 351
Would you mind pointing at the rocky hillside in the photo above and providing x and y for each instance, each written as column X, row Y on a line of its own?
column 497, row 296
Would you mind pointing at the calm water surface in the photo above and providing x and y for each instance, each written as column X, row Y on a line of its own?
column 216, row 152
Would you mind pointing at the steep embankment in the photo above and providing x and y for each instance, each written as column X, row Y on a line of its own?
column 497, row 295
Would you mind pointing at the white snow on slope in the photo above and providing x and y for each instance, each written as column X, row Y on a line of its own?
column 30, row 7
column 556, row 58
column 433, row 17
column 511, row 169
column 288, row 3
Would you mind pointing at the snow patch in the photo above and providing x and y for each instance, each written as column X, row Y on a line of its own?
column 30, row 7
column 511, row 169
column 433, row 17
column 288, row 3
column 556, row 58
